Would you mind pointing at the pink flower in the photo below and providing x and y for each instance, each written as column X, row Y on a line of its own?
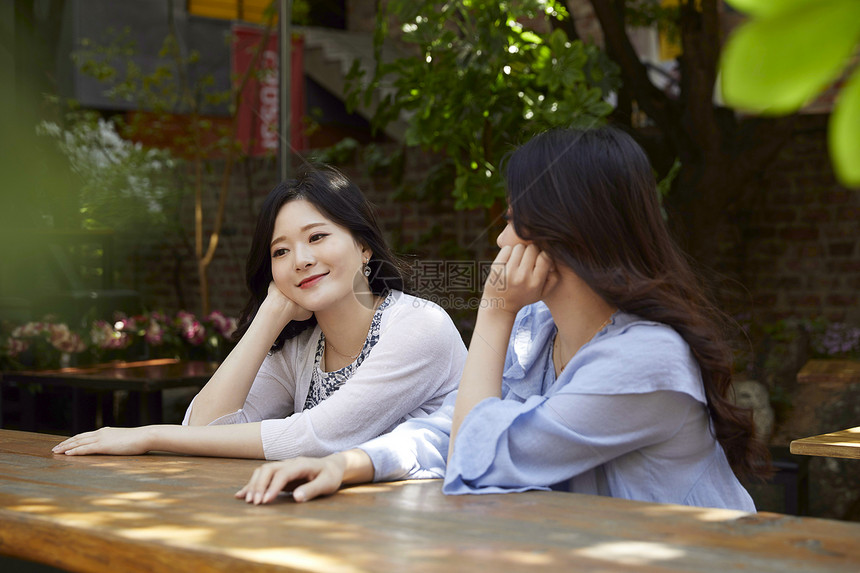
column 64, row 339
column 30, row 330
column 190, row 328
column 57, row 335
column 225, row 326
column 16, row 346
column 72, row 345
column 107, row 337
column 231, row 327
column 124, row 324
column 154, row 333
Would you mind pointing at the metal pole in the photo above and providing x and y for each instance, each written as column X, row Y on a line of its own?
column 285, row 37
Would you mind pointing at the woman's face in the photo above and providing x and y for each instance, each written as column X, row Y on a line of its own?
column 314, row 260
column 509, row 236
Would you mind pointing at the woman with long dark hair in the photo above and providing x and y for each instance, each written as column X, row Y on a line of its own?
column 596, row 364
column 332, row 352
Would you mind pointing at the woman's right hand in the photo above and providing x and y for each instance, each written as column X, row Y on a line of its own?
column 312, row 477
column 521, row 274
column 285, row 306
column 113, row 441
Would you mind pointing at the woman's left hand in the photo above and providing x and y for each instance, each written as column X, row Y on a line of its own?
column 312, row 477
column 520, row 275
column 115, row 441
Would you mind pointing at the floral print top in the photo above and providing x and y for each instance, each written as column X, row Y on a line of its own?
column 324, row 384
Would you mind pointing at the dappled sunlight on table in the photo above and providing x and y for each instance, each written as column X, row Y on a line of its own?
column 526, row 558
column 707, row 514
column 33, row 508
column 298, row 558
column 174, row 533
column 366, row 488
column 631, row 552
column 155, row 503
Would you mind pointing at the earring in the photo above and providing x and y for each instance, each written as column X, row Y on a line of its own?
column 366, row 269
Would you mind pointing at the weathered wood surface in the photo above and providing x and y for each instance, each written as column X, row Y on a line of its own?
column 842, row 444
column 165, row 512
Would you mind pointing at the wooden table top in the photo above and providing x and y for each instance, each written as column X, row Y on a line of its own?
column 166, row 512
column 830, row 372
column 147, row 375
column 841, row 444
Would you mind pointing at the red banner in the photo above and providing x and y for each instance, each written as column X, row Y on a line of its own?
column 258, row 111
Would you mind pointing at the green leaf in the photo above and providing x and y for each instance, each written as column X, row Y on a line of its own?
column 844, row 133
column 776, row 65
column 529, row 37
column 765, row 8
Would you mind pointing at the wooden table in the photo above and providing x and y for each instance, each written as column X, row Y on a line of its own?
column 144, row 380
column 830, row 372
column 165, row 512
column 842, row 444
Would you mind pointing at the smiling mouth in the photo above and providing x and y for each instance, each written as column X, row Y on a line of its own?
column 310, row 281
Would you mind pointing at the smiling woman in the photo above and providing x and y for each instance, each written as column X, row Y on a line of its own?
column 332, row 350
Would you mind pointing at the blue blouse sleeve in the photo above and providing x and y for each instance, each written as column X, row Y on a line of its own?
column 508, row 446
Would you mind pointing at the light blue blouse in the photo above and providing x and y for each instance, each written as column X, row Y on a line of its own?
column 627, row 418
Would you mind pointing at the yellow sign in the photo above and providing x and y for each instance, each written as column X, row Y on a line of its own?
column 670, row 47
column 245, row 10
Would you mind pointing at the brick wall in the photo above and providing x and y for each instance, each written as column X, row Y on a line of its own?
column 801, row 241
column 798, row 255
column 164, row 272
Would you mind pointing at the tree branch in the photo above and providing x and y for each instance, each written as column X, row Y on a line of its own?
column 651, row 100
column 700, row 42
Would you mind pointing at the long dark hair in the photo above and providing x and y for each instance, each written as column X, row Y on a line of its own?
column 589, row 199
column 340, row 201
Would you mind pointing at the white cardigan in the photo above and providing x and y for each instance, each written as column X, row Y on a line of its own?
column 417, row 361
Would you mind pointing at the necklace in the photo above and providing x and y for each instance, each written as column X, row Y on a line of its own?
column 555, row 349
column 354, row 356
column 350, row 356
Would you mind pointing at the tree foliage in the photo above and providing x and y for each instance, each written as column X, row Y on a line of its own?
column 721, row 153
column 481, row 79
column 123, row 185
column 460, row 101
column 786, row 54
